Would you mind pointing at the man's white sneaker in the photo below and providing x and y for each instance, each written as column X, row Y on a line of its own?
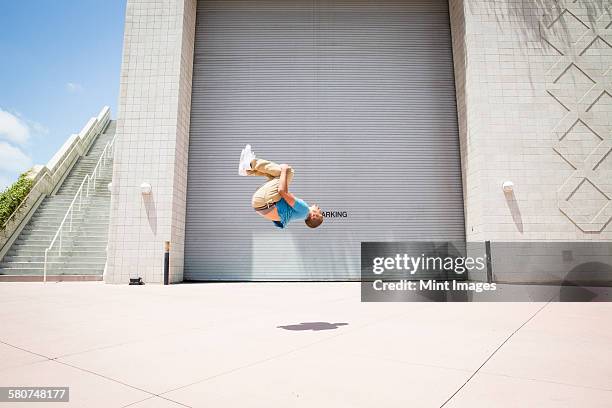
column 246, row 157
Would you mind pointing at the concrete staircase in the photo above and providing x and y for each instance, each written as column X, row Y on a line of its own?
column 84, row 248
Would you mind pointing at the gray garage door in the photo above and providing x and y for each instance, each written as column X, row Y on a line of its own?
column 358, row 96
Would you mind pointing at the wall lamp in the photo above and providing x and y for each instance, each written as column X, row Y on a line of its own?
column 145, row 188
column 508, row 186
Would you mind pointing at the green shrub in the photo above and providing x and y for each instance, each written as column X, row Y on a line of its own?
column 13, row 196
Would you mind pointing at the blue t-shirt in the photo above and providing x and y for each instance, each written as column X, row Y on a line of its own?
column 287, row 213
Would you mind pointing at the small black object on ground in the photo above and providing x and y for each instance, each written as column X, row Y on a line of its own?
column 136, row 281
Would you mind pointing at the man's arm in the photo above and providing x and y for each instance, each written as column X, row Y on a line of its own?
column 283, row 186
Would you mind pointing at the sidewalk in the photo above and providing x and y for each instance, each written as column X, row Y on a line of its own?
column 298, row 345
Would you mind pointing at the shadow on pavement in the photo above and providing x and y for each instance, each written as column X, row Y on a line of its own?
column 314, row 326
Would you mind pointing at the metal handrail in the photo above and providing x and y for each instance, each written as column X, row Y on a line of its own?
column 106, row 152
column 79, row 195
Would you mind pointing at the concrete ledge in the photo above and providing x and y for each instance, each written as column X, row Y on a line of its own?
column 50, row 278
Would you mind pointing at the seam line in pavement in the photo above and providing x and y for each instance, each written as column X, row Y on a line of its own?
column 254, row 363
column 102, row 376
column 586, row 387
column 154, row 396
column 137, row 402
column 54, row 359
column 493, row 353
column 122, row 383
column 211, row 377
column 24, row 350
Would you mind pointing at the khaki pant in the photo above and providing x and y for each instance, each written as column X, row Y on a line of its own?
column 267, row 193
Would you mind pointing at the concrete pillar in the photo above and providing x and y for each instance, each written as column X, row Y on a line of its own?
column 152, row 141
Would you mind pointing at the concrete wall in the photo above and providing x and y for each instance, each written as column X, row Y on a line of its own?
column 535, row 108
column 152, row 140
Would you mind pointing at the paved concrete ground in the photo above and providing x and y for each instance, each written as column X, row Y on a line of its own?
column 224, row 345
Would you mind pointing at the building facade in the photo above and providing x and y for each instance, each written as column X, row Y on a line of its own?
column 402, row 118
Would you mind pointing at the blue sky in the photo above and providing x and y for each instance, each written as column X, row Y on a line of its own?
column 59, row 65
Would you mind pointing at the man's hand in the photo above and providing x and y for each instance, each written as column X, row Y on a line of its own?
column 283, row 185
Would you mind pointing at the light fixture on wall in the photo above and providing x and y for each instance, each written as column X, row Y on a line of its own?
column 508, row 186
column 110, row 187
column 145, row 188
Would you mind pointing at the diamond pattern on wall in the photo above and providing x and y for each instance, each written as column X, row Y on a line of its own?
column 577, row 144
column 579, row 80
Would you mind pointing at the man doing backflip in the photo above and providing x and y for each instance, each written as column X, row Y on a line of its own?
column 273, row 200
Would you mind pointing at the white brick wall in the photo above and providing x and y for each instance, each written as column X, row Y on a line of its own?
column 152, row 140
column 517, row 100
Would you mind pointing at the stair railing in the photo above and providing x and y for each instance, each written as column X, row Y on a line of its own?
column 107, row 154
column 91, row 179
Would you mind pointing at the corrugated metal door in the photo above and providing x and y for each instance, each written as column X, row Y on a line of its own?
column 358, row 96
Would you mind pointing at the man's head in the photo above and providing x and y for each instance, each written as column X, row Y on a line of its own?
column 315, row 218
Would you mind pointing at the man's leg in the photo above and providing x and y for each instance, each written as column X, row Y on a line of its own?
column 250, row 165
column 267, row 193
column 257, row 173
column 264, row 167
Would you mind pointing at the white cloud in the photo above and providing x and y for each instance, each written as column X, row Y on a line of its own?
column 15, row 134
column 12, row 159
column 74, row 87
column 13, row 129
